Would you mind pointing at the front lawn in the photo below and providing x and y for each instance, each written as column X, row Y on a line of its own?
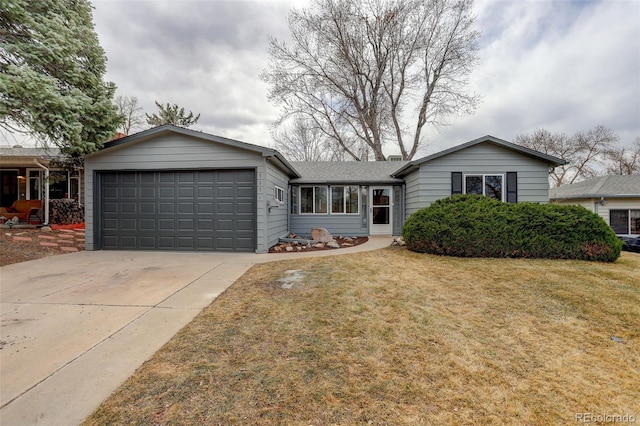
column 396, row 337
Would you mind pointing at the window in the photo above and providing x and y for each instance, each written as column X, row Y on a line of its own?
column 313, row 199
column 279, row 194
column 625, row 221
column 488, row 185
column 344, row 199
column 62, row 184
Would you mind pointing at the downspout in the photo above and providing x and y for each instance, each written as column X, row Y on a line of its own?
column 46, row 190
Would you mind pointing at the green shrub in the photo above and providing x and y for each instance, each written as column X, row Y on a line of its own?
column 477, row 226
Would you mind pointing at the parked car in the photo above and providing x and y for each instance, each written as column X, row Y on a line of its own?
column 631, row 244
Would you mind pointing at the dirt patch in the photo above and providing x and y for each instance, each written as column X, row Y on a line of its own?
column 23, row 244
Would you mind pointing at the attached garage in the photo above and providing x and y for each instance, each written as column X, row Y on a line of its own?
column 178, row 210
column 171, row 188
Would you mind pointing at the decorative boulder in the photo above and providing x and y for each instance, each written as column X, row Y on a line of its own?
column 333, row 244
column 321, row 235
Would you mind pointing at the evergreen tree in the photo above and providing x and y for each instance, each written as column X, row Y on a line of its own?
column 51, row 75
column 171, row 114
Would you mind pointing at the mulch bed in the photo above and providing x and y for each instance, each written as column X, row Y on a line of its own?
column 300, row 248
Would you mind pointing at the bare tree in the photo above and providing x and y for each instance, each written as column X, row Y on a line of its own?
column 362, row 70
column 624, row 161
column 302, row 142
column 584, row 152
column 131, row 112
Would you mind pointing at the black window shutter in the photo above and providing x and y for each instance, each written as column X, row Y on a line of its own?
column 512, row 187
column 456, row 183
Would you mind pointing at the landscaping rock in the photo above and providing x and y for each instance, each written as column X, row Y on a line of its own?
column 289, row 248
column 319, row 245
column 333, row 244
column 321, row 235
column 398, row 241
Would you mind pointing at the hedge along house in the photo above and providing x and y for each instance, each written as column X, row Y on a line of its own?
column 170, row 188
column 487, row 166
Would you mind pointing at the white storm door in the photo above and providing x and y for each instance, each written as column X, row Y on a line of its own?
column 380, row 210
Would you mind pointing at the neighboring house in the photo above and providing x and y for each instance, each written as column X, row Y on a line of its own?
column 28, row 174
column 615, row 198
column 170, row 188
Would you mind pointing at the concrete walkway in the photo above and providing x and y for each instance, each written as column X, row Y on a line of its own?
column 75, row 327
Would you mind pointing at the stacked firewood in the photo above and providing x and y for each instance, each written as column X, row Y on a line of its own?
column 65, row 211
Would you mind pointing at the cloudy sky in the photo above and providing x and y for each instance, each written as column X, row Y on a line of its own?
column 561, row 65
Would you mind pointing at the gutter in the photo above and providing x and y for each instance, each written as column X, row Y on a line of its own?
column 46, row 190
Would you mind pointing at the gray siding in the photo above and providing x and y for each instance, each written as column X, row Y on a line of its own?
column 413, row 200
column 346, row 225
column 434, row 177
column 172, row 152
column 276, row 218
column 398, row 210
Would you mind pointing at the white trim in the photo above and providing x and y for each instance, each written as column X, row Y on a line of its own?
column 381, row 229
column 484, row 175
column 344, row 200
column 278, row 194
column 329, row 199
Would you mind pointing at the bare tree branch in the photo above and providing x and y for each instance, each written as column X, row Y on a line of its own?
column 585, row 152
column 359, row 66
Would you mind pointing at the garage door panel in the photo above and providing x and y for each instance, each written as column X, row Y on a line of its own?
column 128, row 207
column 245, row 192
column 244, row 225
column 186, row 177
column 168, row 192
column 185, row 208
column 185, row 224
column 110, row 207
column 186, row 192
column 205, row 208
column 223, row 207
column 179, row 210
column 205, row 192
column 110, row 192
column 166, row 224
column 128, row 177
column 147, row 224
column 225, row 192
column 166, row 243
column 166, row 208
column 148, row 208
column 205, row 224
column 148, row 192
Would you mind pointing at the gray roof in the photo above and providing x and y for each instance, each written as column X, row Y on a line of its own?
column 620, row 186
column 369, row 172
column 29, row 152
column 20, row 156
column 554, row 161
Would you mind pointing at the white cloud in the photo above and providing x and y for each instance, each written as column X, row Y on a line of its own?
column 563, row 66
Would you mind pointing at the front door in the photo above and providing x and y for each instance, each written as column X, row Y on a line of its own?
column 381, row 209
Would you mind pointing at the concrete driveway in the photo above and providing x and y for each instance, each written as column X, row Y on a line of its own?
column 74, row 327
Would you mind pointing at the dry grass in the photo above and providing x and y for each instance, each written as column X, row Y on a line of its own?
column 394, row 337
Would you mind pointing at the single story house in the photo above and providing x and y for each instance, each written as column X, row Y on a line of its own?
column 31, row 174
column 616, row 198
column 170, row 188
